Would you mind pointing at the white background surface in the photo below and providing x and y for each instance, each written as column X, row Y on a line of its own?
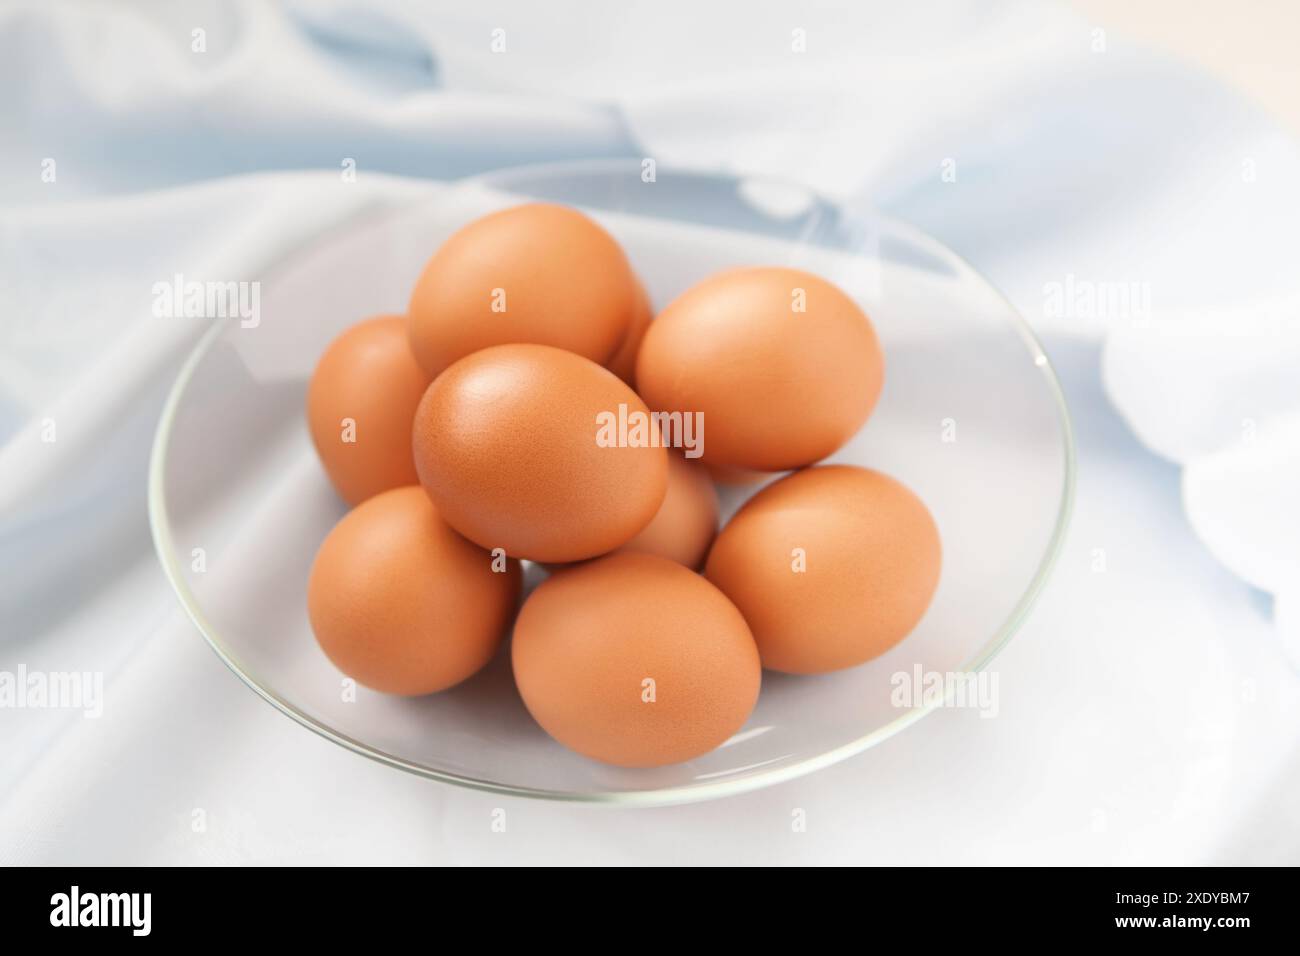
column 1148, row 712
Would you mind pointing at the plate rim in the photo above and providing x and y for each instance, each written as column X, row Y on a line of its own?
column 663, row 796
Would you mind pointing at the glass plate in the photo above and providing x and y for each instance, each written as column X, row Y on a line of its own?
column 971, row 417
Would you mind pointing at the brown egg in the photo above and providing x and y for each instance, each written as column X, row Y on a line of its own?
column 535, row 273
column 360, row 405
column 403, row 604
column 783, row 365
column 634, row 660
column 520, row 448
column 683, row 527
column 623, row 364
column 831, row 567
column 735, row 477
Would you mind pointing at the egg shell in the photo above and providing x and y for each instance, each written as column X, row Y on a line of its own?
column 779, row 388
column 508, row 444
column 735, row 477
column 870, row 556
column 366, row 377
column 623, row 364
column 538, row 273
column 634, row 660
column 401, row 603
column 683, row 527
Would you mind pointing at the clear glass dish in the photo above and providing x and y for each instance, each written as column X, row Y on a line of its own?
column 971, row 417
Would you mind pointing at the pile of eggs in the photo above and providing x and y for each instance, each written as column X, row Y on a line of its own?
column 531, row 407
